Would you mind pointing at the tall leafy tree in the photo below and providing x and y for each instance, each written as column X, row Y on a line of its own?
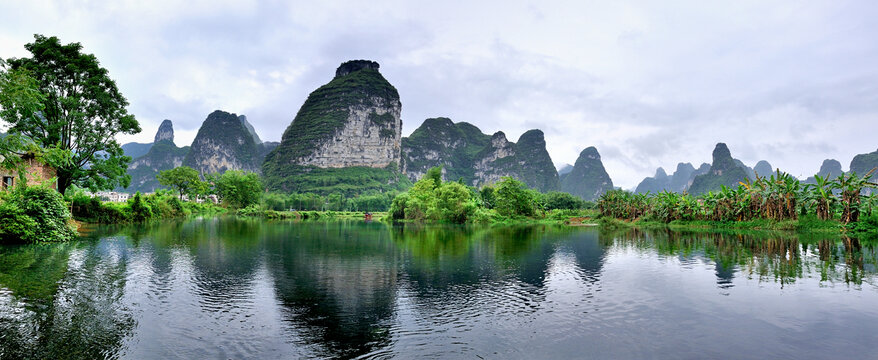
column 20, row 97
column 185, row 180
column 82, row 111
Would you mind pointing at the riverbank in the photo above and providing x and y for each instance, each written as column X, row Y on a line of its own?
column 865, row 228
column 140, row 208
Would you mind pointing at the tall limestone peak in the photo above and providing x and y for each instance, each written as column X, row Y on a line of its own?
column 589, row 179
column 165, row 132
column 723, row 171
column 223, row 143
column 535, row 164
column 722, row 159
column 830, row 167
column 352, row 121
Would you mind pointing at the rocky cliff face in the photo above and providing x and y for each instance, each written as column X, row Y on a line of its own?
column 464, row 152
column 588, row 179
column 723, row 171
column 441, row 142
column 351, row 122
column 863, row 163
column 527, row 160
column 223, row 143
column 162, row 155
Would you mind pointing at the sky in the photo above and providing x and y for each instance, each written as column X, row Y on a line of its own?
column 649, row 83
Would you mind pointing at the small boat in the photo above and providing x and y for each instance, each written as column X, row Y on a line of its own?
column 368, row 216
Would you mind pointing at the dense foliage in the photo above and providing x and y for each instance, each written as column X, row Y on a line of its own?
column 34, row 213
column 79, row 109
column 238, row 189
column 139, row 208
column 454, row 202
column 185, row 180
column 780, row 197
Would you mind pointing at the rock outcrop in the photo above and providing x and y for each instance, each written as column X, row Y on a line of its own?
column 351, row 122
column 162, row 155
column 723, row 171
column 588, row 179
column 223, row 143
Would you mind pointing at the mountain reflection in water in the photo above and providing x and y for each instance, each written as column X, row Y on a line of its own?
column 233, row 288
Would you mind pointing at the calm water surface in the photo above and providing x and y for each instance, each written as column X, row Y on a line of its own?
column 226, row 288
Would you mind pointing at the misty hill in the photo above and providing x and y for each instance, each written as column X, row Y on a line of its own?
column 588, row 179
column 345, row 138
column 723, row 171
column 679, row 181
column 136, row 150
column 863, row 163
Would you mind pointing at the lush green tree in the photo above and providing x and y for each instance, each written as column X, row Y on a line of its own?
column 20, row 97
column 562, row 200
column 140, row 211
column 238, row 189
column 421, row 199
column 434, row 173
column 512, row 197
column 183, row 179
column 454, row 202
column 81, row 110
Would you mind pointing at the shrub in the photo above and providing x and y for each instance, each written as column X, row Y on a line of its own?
column 34, row 213
column 513, row 198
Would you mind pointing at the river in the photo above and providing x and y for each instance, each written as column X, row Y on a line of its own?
column 224, row 288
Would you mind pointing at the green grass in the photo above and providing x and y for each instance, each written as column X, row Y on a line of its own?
column 807, row 223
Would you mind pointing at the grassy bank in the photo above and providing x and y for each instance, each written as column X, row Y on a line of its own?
column 865, row 228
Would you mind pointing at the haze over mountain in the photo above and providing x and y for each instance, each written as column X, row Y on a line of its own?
column 786, row 83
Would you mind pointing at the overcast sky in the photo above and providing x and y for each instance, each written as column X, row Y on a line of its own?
column 649, row 83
